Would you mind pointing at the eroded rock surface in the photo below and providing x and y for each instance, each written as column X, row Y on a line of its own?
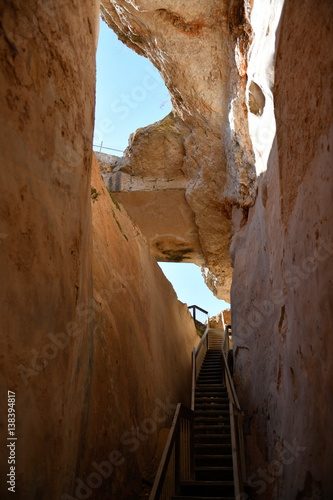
column 47, row 94
column 282, row 240
column 149, row 180
column 86, row 347
column 281, row 298
column 194, row 50
column 143, row 338
column 88, row 320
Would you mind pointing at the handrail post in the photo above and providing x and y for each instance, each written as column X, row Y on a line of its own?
column 178, row 443
column 193, row 378
column 192, row 450
column 238, row 482
column 236, row 430
column 222, row 320
column 194, row 307
column 177, row 461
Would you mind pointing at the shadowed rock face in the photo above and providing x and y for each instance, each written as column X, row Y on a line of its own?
column 87, row 318
column 143, row 340
column 91, row 332
column 281, row 247
column 47, row 66
column 194, row 50
column 281, row 294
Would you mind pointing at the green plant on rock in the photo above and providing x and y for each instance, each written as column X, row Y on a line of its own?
column 94, row 194
column 119, row 226
column 115, row 201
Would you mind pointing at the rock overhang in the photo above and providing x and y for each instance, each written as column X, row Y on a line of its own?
column 210, row 157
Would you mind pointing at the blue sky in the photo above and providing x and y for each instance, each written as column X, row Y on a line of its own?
column 130, row 94
column 189, row 285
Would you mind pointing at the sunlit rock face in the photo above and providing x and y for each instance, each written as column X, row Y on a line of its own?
column 143, row 338
column 256, row 127
column 150, row 182
column 47, row 97
column 281, row 297
column 194, row 50
column 93, row 340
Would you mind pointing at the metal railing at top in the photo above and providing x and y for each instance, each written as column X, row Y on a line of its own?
column 100, row 146
column 236, row 422
column 199, row 314
column 177, row 463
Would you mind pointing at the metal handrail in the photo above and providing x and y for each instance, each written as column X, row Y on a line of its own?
column 197, row 307
column 203, row 339
column 172, row 455
column 175, row 456
column 222, row 319
column 100, row 146
column 177, row 463
column 194, row 307
column 203, row 344
column 229, row 380
column 193, row 380
column 236, row 428
column 225, row 342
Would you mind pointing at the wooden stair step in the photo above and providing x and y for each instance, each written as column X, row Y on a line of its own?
column 211, row 426
column 221, row 419
column 201, row 498
column 212, row 439
column 204, row 403
column 214, row 473
column 206, row 488
column 211, row 380
column 211, row 416
column 222, row 449
column 206, row 385
column 213, row 460
column 209, row 430
column 218, row 390
column 202, row 398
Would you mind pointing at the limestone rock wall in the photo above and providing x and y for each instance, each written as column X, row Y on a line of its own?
column 193, row 47
column 150, row 182
column 143, row 339
column 275, row 201
column 281, row 294
column 47, row 59
column 93, row 340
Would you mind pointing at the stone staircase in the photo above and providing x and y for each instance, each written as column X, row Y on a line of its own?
column 212, row 438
